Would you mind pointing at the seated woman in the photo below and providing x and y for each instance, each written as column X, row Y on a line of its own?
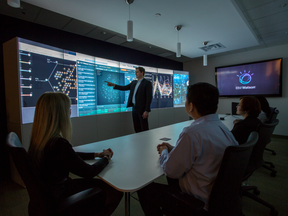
column 54, row 156
column 249, row 108
column 265, row 109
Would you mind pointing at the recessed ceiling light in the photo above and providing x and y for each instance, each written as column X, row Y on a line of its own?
column 157, row 15
column 104, row 32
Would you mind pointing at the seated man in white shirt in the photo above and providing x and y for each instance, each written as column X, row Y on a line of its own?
column 193, row 163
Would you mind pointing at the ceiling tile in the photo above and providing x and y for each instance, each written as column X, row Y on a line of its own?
column 116, row 40
column 271, row 8
column 179, row 59
column 273, row 28
column 260, row 46
column 146, row 47
column 52, row 19
column 165, row 54
column 237, row 51
column 276, row 41
column 271, row 20
column 79, row 27
column 156, row 51
column 100, row 34
column 135, row 43
column 276, row 35
column 27, row 11
column 255, row 3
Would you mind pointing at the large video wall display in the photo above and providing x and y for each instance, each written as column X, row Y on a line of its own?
column 44, row 68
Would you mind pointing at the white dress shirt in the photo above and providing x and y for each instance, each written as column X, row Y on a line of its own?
column 135, row 90
column 195, row 160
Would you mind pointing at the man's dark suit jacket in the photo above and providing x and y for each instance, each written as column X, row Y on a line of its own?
column 143, row 95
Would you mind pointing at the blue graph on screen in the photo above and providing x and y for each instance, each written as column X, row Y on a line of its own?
column 180, row 82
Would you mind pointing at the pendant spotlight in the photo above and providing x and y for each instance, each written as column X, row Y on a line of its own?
column 205, row 56
column 129, row 24
column 14, row 3
column 178, row 51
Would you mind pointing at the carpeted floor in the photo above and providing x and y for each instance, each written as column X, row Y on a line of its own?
column 274, row 190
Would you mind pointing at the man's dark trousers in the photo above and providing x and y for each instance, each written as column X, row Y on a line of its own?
column 140, row 124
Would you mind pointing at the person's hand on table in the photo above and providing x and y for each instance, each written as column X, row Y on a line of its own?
column 107, row 152
column 163, row 146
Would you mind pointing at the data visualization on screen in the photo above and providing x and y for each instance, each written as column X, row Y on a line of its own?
column 82, row 77
column 150, row 75
column 43, row 69
column 86, row 84
column 180, row 84
column 162, row 83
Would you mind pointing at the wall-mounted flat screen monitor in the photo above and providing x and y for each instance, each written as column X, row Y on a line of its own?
column 255, row 78
column 44, row 68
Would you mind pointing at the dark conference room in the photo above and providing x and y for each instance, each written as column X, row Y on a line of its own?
column 239, row 46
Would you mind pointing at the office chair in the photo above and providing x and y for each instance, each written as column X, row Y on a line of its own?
column 234, row 107
column 272, row 117
column 41, row 201
column 225, row 198
column 267, row 141
column 256, row 161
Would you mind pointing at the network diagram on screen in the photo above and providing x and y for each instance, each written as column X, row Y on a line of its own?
column 44, row 68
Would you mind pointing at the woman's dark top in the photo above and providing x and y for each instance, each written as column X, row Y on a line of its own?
column 242, row 129
column 59, row 159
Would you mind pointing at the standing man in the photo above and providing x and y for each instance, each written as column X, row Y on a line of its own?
column 140, row 98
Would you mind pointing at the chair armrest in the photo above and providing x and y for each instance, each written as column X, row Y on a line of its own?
column 179, row 197
column 81, row 197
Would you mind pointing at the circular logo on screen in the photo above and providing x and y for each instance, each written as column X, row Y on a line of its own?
column 245, row 77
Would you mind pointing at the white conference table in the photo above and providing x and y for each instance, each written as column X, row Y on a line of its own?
column 135, row 162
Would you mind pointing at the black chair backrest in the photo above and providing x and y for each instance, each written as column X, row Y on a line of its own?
column 225, row 198
column 39, row 196
column 273, row 114
column 234, row 108
column 265, row 132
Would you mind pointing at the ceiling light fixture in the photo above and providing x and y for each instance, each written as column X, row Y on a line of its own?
column 14, row 3
column 205, row 56
column 178, row 51
column 129, row 24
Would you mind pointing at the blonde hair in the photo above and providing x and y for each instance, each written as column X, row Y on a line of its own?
column 51, row 120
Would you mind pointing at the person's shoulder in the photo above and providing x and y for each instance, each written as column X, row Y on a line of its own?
column 60, row 140
column 192, row 129
column 253, row 119
column 146, row 81
column 59, row 143
column 241, row 122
